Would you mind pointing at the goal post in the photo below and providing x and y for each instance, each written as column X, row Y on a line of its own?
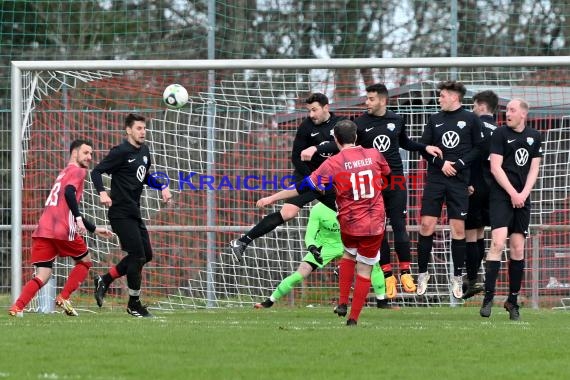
column 240, row 120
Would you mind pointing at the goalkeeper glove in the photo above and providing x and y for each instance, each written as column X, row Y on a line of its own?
column 316, row 252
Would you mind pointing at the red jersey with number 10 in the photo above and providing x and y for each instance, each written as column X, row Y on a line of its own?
column 57, row 221
column 356, row 174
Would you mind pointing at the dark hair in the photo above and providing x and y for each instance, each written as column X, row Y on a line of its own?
column 489, row 98
column 319, row 98
column 77, row 143
column 378, row 88
column 451, row 85
column 131, row 118
column 345, row 132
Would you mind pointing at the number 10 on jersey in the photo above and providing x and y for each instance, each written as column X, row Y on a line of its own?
column 362, row 186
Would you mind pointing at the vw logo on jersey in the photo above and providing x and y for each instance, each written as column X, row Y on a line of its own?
column 325, row 155
column 145, row 160
column 530, row 141
column 391, row 126
column 450, row 139
column 521, row 156
column 141, row 172
column 461, row 124
column 381, row 143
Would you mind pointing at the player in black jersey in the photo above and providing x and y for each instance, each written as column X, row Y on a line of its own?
column 516, row 153
column 457, row 132
column 128, row 165
column 313, row 130
column 485, row 104
column 385, row 130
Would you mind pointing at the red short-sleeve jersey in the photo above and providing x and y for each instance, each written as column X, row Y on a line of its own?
column 357, row 175
column 57, row 221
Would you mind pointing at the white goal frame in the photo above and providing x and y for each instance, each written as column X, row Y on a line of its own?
column 17, row 102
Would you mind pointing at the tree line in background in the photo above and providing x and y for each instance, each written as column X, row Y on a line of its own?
column 178, row 29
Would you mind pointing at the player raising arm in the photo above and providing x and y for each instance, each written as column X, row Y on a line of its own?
column 315, row 129
column 59, row 232
column 385, row 130
column 356, row 174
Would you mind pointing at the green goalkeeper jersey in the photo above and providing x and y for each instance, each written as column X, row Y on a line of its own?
column 323, row 229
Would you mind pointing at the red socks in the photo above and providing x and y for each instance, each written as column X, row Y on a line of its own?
column 345, row 277
column 405, row 266
column 76, row 277
column 28, row 292
column 114, row 273
column 361, row 289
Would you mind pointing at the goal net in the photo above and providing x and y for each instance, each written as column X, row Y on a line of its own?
column 230, row 145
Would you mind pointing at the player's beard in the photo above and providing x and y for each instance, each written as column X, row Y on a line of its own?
column 137, row 141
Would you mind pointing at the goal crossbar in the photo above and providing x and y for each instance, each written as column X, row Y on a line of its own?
column 337, row 63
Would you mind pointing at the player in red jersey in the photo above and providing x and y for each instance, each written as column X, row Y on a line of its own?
column 59, row 232
column 357, row 175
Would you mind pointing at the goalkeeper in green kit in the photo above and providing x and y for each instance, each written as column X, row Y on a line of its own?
column 323, row 242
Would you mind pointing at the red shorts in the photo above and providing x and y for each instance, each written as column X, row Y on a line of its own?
column 45, row 249
column 367, row 246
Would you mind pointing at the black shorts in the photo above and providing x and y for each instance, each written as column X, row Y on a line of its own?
column 328, row 199
column 478, row 213
column 504, row 214
column 395, row 202
column 451, row 190
column 133, row 236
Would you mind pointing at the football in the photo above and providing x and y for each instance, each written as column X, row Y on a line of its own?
column 175, row 96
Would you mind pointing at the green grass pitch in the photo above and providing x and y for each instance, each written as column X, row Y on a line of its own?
column 287, row 343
